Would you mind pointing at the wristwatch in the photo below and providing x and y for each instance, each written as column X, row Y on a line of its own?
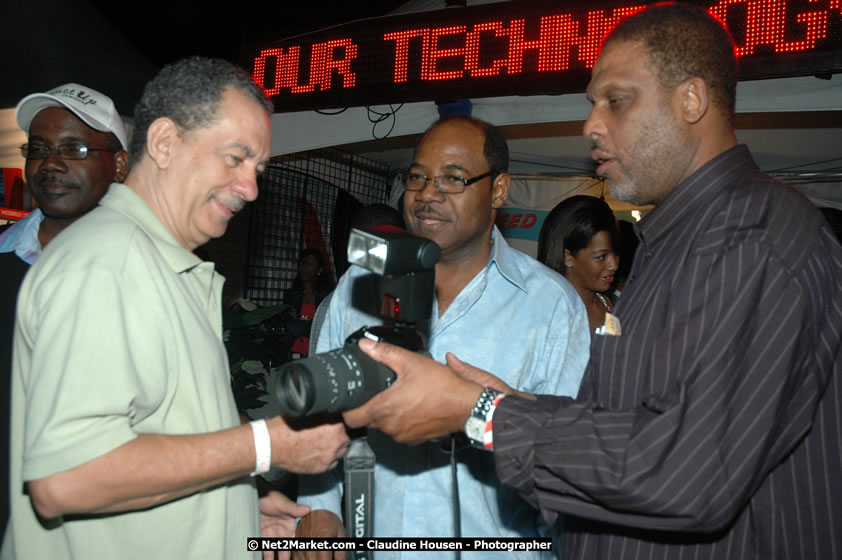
column 477, row 420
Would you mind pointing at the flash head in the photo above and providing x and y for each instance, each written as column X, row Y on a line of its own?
column 389, row 250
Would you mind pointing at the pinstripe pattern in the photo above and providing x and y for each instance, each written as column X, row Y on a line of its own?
column 711, row 427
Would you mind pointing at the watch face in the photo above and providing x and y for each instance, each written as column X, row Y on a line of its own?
column 475, row 428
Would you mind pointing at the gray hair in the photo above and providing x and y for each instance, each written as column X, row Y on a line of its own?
column 189, row 92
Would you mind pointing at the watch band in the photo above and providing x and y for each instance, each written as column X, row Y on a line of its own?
column 478, row 424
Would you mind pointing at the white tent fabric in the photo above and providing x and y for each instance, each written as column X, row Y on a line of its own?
column 306, row 130
column 531, row 197
column 774, row 149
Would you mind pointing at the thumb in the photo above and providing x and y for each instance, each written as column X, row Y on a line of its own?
column 275, row 503
column 388, row 354
column 299, row 510
column 457, row 365
column 476, row 375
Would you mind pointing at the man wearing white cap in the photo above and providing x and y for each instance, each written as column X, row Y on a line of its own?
column 77, row 147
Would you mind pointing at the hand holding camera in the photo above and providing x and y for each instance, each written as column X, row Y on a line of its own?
column 401, row 291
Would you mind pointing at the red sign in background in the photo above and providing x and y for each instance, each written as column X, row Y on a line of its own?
column 515, row 49
column 12, row 195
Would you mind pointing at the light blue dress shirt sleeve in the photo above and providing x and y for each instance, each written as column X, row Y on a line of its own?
column 22, row 237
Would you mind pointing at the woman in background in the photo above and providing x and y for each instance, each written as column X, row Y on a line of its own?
column 578, row 239
column 309, row 288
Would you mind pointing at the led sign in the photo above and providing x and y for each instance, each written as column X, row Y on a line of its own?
column 515, row 48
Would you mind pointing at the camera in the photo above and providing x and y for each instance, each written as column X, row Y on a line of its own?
column 400, row 290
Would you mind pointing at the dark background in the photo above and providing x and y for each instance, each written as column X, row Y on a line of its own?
column 195, row 28
column 116, row 47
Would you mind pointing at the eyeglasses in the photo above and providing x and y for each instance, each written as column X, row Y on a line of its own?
column 447, row 184
column 36, row 150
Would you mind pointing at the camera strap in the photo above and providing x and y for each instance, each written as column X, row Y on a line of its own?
column 450, row 445
column 359, row 491
column 359, row 465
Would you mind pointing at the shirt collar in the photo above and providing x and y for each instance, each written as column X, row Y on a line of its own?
column 22, row 237
column 125, row 201
column 501, row 257
column 694, row 193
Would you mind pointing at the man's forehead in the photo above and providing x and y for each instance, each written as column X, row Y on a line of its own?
column 617, row 61
column 452, row 140
column 456, row 125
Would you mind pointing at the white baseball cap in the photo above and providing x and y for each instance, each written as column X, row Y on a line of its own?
column 95, row 109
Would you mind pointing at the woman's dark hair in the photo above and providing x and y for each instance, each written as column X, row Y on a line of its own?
column 323, row 283
column 571, row 225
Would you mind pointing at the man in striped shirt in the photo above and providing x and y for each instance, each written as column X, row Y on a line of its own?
column 708, row 425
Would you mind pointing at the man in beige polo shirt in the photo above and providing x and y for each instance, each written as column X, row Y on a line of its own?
column 126, row 441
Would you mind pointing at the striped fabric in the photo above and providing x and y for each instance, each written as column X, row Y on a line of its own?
column 711, row 428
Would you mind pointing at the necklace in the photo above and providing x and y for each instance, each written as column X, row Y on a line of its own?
column 604, row 300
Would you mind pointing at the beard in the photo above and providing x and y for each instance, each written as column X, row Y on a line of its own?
column 658, row 163
column 627, row 190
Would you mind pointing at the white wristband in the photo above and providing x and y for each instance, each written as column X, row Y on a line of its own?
column 262, row 447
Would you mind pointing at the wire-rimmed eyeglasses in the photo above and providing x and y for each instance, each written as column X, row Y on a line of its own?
column 447, row 184
column 37, row 150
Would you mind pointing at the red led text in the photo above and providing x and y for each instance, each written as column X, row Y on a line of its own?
column 552, row 43
column 516, row 220
column 325, row 58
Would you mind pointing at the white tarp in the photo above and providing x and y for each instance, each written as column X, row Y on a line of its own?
column 532, row 197
column 306, row 130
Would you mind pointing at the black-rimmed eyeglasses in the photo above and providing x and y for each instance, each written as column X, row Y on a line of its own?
column 36, row 150
column 448, row 184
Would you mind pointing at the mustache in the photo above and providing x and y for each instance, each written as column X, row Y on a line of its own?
column 39, row 181
column 235, row 203
column 428, row 210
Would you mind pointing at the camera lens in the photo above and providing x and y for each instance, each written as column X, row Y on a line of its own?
column 331, row 382
column 295, row 384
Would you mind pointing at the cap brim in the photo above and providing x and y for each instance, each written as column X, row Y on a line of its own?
column 33, row 104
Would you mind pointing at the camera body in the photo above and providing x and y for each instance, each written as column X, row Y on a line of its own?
column 401, row 291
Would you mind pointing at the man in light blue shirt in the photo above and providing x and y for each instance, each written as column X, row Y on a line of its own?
column 495, row 308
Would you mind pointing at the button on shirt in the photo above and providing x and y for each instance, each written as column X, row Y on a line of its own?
column 517, row 319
